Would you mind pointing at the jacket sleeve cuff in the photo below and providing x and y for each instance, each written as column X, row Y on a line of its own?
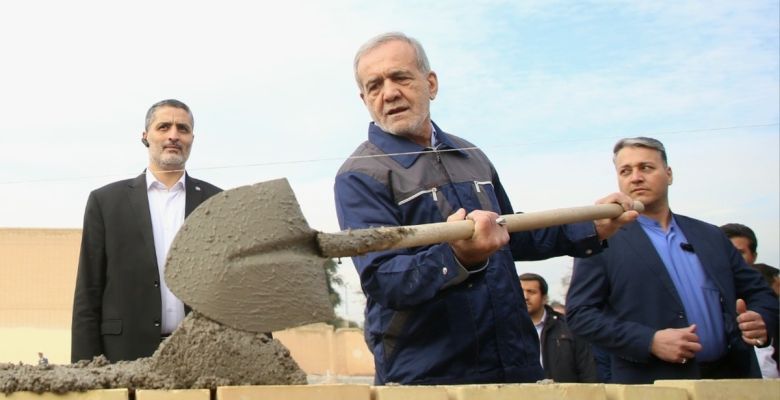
column 589, row 246
column 454, row 273
column 473, row 270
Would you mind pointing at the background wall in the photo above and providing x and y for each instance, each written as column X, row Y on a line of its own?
column 37, row 278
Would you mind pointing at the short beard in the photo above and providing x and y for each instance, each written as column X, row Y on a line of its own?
column 170, row 162
column 408, row 131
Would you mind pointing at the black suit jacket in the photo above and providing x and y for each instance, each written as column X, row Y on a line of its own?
column 566, row 358
column 618, row 300
column 117, row 302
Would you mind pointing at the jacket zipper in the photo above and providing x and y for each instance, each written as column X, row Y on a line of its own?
column 432, row 191
column 478, row 183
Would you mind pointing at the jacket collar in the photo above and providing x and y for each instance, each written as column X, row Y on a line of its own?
column 550, row 315
column 139, row 201
column 647, row 256
column 404, row 151
column 151, row 179
column 194, row 196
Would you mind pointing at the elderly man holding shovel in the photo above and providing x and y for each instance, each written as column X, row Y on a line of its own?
column 444, row 313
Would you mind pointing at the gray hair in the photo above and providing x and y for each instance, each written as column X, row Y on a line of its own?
column 641, row 141
column 422, row 60
column 166, row 103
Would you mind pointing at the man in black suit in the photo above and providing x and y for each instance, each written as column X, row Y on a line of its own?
column 122, row 307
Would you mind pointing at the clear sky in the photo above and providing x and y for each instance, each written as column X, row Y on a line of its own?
column 544, row 87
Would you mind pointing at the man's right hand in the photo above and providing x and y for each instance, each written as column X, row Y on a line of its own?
column 607, row 227
column 676, row 345
column 488, row 237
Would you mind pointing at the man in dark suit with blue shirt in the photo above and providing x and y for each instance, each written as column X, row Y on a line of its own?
column 670, row 298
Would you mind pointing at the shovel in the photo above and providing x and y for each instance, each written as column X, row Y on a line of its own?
column 247, row 258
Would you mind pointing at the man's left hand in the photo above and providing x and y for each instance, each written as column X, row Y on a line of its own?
column 607, row 227
column 752, row 325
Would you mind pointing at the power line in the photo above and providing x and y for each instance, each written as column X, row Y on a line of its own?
column 327, row 159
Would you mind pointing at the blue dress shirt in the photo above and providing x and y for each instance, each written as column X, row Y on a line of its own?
column 700, row 297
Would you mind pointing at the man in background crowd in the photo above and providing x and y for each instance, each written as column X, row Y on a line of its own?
column 744, row 240
column 564, row 357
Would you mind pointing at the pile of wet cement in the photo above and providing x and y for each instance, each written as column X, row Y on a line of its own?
column 199, row 354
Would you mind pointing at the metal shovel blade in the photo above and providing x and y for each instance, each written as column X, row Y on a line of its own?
column 247, row 258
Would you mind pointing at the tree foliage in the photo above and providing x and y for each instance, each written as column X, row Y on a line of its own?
column 334, row 281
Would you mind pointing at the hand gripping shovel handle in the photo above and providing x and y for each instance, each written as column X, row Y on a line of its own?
column 360, row 241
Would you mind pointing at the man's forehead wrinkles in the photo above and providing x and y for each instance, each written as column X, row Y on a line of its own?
column 387, row 71
column 398, row 70
column 639, row 163
column 170, row 117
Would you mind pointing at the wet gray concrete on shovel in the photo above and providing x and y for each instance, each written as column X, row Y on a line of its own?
column 247, row 258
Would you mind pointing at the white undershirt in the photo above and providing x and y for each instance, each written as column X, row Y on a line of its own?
column 167, row 209
column 766, row 362
column 539, row 328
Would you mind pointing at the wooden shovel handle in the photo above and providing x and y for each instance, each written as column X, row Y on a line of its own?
column 360, row 241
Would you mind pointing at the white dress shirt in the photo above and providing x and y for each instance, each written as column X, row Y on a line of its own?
column 167, row 209
column 539, row 328
column 766, row 362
